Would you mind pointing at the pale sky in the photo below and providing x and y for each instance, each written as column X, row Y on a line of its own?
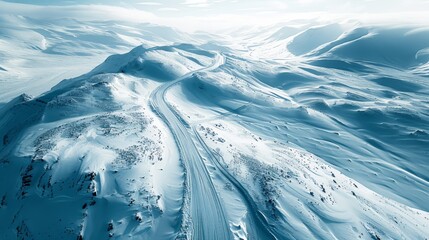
column 200, row 14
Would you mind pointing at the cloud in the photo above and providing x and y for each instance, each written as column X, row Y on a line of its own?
column 191, row 2
column 168, row 9
column 197, row 3
column 149, row 3
column 79, row 12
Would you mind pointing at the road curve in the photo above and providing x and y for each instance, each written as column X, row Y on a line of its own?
column 209, row 220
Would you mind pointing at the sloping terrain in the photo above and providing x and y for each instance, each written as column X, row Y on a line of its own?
column 50, row 51
column 267, row 136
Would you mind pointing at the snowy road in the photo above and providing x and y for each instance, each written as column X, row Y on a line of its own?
column 209, row 220
column 260, row 228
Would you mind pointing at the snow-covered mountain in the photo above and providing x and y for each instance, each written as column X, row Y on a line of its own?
column 297, row 131
column 50, row 51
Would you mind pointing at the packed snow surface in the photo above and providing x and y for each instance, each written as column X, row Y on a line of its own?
column 305, row 131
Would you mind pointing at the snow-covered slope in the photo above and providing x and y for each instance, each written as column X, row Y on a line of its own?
column 90, row 150
column 45, row 52
column 271, row 135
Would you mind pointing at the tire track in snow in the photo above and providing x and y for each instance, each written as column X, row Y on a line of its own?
column 260, row 228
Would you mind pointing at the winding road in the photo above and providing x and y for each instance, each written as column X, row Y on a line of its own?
column 209, row 220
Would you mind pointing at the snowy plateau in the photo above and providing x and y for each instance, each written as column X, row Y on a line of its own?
column 298, row 130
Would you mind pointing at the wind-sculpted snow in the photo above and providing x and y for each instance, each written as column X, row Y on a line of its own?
column 314, row 37
column 394, row 47
column 274, row 135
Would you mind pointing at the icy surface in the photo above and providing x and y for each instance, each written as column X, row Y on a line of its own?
column 270, row 135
